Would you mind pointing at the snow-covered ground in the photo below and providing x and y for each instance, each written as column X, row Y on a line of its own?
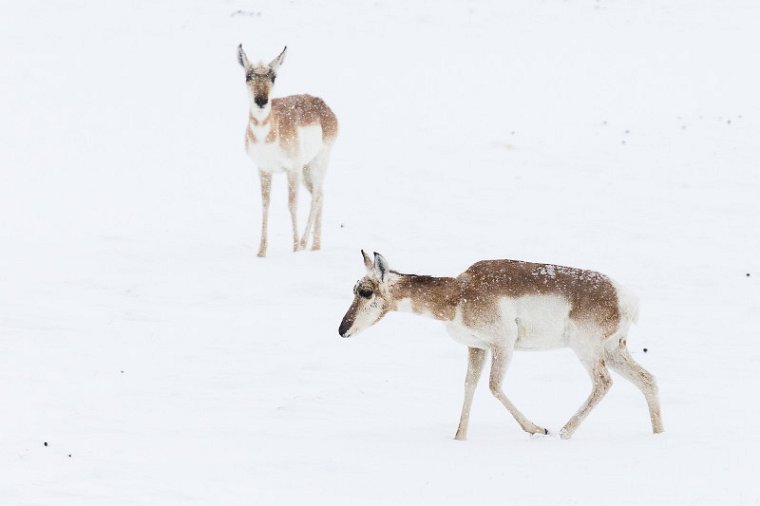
column 164, row 364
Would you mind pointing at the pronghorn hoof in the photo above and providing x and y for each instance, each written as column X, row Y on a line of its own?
column 546, row 432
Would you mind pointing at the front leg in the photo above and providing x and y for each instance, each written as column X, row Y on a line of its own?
column 476, row 359
column 266, row 189
column 501, row 356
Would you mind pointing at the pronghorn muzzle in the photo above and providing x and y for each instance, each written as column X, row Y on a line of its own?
column 348, row 319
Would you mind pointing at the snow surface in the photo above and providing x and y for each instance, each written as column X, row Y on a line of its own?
column 164, row 364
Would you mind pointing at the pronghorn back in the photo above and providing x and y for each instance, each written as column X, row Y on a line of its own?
column 297, row 111
column 592, row 297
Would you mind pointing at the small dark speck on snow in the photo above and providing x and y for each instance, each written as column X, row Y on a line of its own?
column 645, row 350
column 45, row 443
column 748, row 274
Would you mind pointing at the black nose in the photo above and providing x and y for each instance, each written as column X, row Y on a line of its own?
column 344, row 326
column 261, row 101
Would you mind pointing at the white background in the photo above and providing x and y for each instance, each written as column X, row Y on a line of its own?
column 164, row 364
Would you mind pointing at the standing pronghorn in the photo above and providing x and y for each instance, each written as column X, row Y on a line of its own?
column 292, row 134
column 506, row 305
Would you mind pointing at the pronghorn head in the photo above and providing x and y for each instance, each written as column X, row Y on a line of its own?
column 372, row 298
column 260, row 78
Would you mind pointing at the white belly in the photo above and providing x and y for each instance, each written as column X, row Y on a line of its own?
column 541, row 321
column 531, row 323
column 271, row 157
column 465, row 335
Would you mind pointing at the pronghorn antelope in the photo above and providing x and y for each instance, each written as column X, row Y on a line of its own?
column 292, row 134
column 507, row 305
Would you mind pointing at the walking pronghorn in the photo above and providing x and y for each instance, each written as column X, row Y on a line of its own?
column 292, row 134
column 507, row 305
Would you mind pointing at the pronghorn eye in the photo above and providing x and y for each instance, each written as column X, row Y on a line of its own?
column 363, row 292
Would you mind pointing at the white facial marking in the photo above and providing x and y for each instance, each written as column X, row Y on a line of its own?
column 368, row 313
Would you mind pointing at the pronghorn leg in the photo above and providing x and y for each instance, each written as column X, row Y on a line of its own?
column 600, row 377
column 476, row 359
column 621, row 361
column 314, row 175
column 316, row 198
column 317, row 244
column 266, row 189
column 500, row 357
column 293, row 182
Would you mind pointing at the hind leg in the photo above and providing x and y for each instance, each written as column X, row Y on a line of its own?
column 314, row 176
column 293, row 183
column 621, row 361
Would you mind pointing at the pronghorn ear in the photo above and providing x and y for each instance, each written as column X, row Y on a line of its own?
column 275, row 64
column 242, row 58
column 367, row 261
column 380, row 267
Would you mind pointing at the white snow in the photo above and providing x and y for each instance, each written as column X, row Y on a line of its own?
column 140, row 335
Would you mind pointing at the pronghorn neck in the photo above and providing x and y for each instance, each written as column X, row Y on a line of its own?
column 260, row 117
column 260, row 126
column 426, row 295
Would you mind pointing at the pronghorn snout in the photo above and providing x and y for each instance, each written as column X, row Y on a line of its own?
column 261, row 101
column 346, row 324
column 348, row 320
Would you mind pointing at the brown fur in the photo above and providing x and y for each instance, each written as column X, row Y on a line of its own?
column 591, row 295
column 290, row 113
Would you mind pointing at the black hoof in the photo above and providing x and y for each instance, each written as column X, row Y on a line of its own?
column 546, row 432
